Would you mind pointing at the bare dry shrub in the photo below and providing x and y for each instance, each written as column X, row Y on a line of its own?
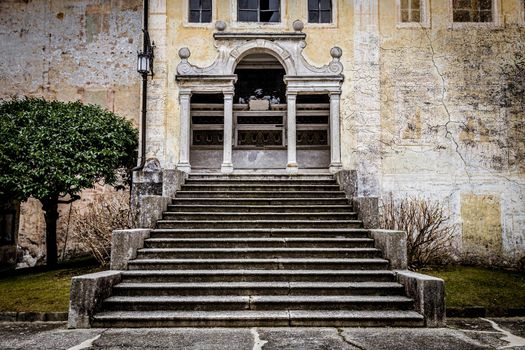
column 430, row 236
column 93, row 225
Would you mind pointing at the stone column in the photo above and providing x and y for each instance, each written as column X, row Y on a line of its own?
column 335, row 138
column 185, row 123
column 227, row 165
column 291, row 167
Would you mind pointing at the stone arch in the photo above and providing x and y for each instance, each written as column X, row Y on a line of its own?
column 260, row 46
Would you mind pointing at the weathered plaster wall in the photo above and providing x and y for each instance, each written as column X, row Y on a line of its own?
column 69, row 50
column 452, row 122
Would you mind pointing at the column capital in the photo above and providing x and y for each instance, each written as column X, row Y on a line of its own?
column 228, row 95
column 183, row 94
column 335, row 94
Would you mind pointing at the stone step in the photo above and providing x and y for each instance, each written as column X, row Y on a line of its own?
column 146, row 276
column 288, row 181
column 260, row 187
column 258, row 264
column 257, row 302
column 221, row 224
column 240, row 201
column 260, row 233
column 242, row 242
column 247, row 318
column 241, row 208
column 260, row 194
column 255, row 253
column 191, row 216
column 259, row 288
column 260, row 177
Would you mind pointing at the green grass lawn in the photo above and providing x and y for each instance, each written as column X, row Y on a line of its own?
column 496, row 290
column 40, row 291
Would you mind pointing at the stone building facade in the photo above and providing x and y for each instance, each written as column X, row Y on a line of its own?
column 420, row 97
column 68, row 50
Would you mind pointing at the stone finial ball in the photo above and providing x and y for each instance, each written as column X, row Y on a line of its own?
column 220, row 26
column 336, row 52
column 298, row 25
column 184, row 53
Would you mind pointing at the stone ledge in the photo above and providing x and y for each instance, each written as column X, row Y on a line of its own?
column 393, row 245
column 33, row 316
column 124, row 245
column 428, row 293
column 86, row 296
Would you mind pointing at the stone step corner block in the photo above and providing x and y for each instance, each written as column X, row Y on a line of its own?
column 367, row 209
column 172, row 182
column 347, row 180
column 150, row 209
column 124, row 246
column 428, row 293
column 393, row 244
column 86, row 296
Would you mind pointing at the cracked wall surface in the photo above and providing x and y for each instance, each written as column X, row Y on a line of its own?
column 452, row 118
column 69, row 50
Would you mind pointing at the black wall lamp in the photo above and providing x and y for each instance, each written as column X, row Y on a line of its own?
column 145, row 68
column 145, row 57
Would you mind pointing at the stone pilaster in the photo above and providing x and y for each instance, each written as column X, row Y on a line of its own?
column 227, row 165
column 291, row 167
column 185, row 122
column 158, row 145
column 335, row 133
column 366, row 92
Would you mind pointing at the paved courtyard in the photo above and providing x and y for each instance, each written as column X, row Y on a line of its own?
column 460, row 334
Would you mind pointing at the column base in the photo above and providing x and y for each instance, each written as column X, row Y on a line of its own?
column 335, row 167
column 185, row 167
column 227, row 168
column 292, row 168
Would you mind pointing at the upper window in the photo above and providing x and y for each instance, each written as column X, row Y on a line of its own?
column 199, row 11
column 472, row 10
column 319, row 11
column 259, row 11
column 410, row 11
column 413, row 13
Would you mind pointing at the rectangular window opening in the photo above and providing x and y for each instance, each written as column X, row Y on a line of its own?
column 411, row 11
column 200, row 11
column 480, row 11
column 319, row 11
column 266, row 11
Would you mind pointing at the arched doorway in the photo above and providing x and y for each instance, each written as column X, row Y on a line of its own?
column 277, row 112
column 259, row 113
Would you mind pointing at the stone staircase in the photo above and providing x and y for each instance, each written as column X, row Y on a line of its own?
column 254, row 250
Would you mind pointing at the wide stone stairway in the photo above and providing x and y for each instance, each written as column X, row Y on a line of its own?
column 258, row 250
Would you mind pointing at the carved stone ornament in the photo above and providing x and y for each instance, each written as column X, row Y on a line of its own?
column 287, row 48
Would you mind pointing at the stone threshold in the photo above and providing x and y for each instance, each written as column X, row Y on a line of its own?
column 467, row 312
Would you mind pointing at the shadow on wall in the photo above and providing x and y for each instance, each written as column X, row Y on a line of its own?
column 9, row 220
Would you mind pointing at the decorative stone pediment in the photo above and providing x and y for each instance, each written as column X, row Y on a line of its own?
column 287, row 48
